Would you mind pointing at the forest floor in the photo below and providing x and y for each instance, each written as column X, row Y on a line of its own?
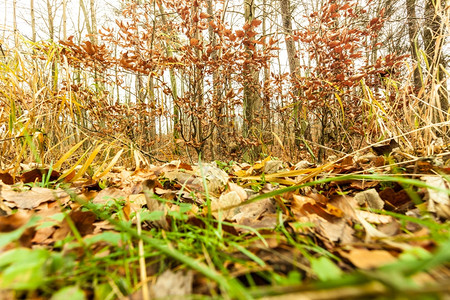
column 366, row 227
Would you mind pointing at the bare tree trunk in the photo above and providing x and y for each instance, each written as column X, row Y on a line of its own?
column 87, row 21
column 252, row 99
column 266, row 124
column 64, row 19
column 176, row 112
column 412, row 32
column 93, row 20
column 16, row 32
column 433, row 37
column 216, row 142
column 294, row 66
column 152, row 102
column 51, row 32
column 198, row 92
column 33, row 21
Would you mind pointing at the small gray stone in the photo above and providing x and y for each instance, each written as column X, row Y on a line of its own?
column 273, row 166
column 371, row 198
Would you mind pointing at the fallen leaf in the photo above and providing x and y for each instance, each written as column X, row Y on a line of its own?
column 337, row 231
column 272, row 166
column 304, row 206
column 395, row 200
column 368, row 259
column 154, row 205
column 83, row 221
column 225, row 200
column 374, row 218
column 438, row 201
column 37, row 174
column 268, row 222
column 43, row 235
column 6, row 178
column 254, row 210
column 12, row 222
column 109, row 194
column 363, row 185
column 32, row 198
column 173, row 284
column 239, row 190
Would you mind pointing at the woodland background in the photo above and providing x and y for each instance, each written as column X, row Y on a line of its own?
column 224, row 79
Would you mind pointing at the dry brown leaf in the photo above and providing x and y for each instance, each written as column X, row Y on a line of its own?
column 374, row 218
column 395, row 199
column 268, row 221
column 139, row 200
column 363, row 185
column 272, row 166
column 37, row 174
column 346, row 204
column 6, row 178
column 154, row 205
column 371, row 232
column 32, row 198
column 225, row 200
column 172, row 284
column 337, row 231
column 368, row 259
column 43, row 235
column 438, row 201
column 304, row 206
column 83, row 221
column 254, row 210
column 109, row 194
column 12, row 222
column 239, row 190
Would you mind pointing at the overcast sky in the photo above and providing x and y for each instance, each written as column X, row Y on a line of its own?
column 74, row 17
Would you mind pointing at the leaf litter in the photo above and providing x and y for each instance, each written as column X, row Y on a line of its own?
column 277, row 231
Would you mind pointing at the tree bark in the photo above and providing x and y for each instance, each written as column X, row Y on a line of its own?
column 286, row 15
column 252, row 99
column 412, row 32
column 176, row 112
column 93, row 20
column 87, row 21
column 433, row 37
column 266, row 122
column 216, row 143
column 33, row 21
column 16, row 32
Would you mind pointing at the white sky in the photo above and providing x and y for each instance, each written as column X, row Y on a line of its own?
column 74, row 17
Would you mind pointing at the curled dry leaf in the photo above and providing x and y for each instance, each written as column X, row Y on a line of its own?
column 272, row 166
column 6, row 178
column 438, row 201
column 374, row 218
column 368, row 259
column 153, row 203
column 172, row 284
column 109, row 194
column 37, row 174
column 83, row 221
column 304, row 206
column 337, row 231
column 219, row 205
column 254, row 211
column 32, row 198
column 238, row 189
column 12, row 222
